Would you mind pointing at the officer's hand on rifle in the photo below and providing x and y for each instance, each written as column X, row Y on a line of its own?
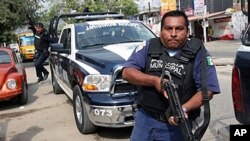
column 162, row 81
column 165, row 94
column 173, row 121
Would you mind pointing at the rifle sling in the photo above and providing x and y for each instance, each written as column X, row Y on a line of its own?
column 202, row 129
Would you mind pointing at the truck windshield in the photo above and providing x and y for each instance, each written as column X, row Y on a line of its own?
column 94, row 34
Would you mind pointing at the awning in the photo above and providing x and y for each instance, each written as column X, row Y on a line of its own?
column 220, row 16
column 206, row 16
column 146, row 11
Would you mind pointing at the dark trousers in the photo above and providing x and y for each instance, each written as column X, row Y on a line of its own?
column 147, row 128
column 39, row 60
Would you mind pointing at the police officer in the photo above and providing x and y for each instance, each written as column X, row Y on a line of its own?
column 144, row 68
column 42, row 41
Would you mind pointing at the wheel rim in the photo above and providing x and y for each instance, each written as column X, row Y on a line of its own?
column 78, row 109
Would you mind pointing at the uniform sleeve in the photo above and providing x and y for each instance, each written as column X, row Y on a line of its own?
column 47, row 37
column 212, row 79
column 138, row 58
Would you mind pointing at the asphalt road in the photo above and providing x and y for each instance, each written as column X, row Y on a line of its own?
column 49, row 117
column 223, row 52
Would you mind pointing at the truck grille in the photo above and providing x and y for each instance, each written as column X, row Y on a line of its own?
column 120, row 85
column 125, row 88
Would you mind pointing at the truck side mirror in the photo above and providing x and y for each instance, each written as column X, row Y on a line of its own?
column 59, row 48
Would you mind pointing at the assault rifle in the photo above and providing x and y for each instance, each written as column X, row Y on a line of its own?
column 31, row 23
column 30, row 20
column 176, row 107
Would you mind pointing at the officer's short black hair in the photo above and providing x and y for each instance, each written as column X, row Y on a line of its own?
column 40, row 24
column 175, row 13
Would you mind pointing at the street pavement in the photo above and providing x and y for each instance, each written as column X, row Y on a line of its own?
column 223, row 51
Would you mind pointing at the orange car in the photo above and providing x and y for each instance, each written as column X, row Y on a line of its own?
column 13, row 80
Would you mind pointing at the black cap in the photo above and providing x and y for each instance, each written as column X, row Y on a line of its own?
column 39, row 24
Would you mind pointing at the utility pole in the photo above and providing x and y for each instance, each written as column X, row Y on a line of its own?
column 149, row 10
column 179, row 5
column 204, row 25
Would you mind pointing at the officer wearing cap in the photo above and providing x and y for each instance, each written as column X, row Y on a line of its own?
column 42, row 41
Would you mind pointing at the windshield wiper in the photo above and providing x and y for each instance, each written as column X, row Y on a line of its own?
column 130, row 41
column 101, row 44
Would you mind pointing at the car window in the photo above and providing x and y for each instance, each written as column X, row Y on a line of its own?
column 66, row 39
column 4, row 58
column 98, row 34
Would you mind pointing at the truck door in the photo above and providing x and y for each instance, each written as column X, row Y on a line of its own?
column 64, row 59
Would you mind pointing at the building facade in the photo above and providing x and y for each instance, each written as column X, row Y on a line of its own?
column 208, row 18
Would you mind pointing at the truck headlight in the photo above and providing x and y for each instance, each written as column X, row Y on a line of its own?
column 97, row 83
column 11, row 84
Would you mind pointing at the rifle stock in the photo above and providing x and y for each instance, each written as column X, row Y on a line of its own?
column 31, row 22
column 176, row 107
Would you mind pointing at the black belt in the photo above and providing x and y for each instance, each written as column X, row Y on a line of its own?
column 158, row 116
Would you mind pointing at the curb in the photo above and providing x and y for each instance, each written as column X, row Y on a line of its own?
column 223, row 61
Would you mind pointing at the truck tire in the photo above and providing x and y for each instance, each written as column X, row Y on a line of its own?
column 83, row 123
column 23, row 98
column 56, row 87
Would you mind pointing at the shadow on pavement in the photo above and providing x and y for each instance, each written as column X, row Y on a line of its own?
column 28, row 134
column 120, row 133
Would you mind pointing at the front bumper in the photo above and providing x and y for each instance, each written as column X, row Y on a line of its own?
column 7, row 95
column 27, row 56
column 111, row 116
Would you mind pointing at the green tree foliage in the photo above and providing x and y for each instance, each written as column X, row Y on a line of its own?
column 13, row 15
column 14, row 12
column 127, row 7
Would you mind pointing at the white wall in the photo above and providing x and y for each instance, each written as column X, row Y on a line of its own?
column 239, row 22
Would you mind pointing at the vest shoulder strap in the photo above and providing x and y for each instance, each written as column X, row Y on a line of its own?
column 188, row 52
column 155, row 47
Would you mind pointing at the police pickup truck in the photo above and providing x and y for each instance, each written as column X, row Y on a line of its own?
column 241, row 73
column 241, row 80
column 86, row 64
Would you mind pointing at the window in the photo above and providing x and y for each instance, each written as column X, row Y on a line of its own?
column 4, row 57
column 27, row 40
column 66, row 39
column 105, row 33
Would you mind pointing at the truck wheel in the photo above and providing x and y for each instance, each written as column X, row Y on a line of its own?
column 23, row 98
column 82, row 120
column 56, row 87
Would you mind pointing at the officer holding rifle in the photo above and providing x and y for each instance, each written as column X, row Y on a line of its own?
column 174, row 51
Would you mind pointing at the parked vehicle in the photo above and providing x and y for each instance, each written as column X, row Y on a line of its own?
column 86, row 64
column 26, row 44
column 241, row 76
column 14, row 47
column 13, row 81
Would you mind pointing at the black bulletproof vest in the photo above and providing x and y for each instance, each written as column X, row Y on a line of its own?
column 181, row 68
column 41, row 44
